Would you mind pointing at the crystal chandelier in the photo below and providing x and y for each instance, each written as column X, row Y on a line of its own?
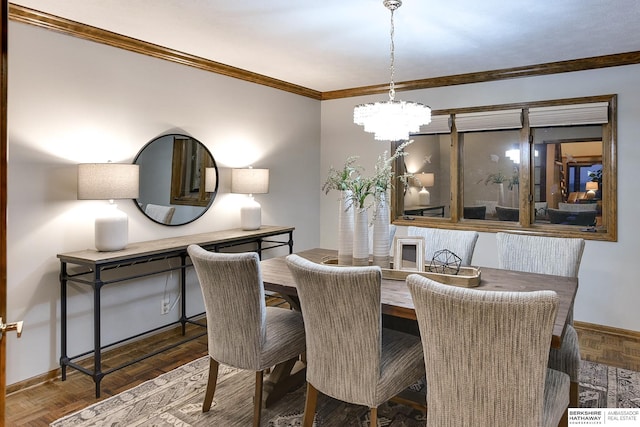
column 392, row 120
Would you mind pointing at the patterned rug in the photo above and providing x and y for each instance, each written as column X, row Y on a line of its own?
column 175, row 399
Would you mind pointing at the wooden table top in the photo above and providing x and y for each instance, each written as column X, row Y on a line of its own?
column 397, row 301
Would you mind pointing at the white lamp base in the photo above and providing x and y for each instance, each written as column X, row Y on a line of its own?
column 424, row 198
column 251, row 215
column 111, row 229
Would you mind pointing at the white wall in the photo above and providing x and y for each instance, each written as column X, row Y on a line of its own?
column 609, row 291
column 74, row 101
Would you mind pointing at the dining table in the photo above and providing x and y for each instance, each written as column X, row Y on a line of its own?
column 396, row 299
column 397, row 305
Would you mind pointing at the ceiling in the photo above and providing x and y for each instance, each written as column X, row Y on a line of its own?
column 328, row 45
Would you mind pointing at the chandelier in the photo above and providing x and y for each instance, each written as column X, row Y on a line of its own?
column 392, row 120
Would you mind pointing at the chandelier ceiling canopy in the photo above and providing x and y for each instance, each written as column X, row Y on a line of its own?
column 392, row 120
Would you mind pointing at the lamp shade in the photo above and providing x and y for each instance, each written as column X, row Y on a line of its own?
column 250, row 181
column 106, row 181
column 425, row 179
column 210, row 180
column 592, row 186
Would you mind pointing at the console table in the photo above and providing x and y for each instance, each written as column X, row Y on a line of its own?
column 93, row 263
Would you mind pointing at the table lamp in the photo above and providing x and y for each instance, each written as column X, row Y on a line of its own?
column 591, row 188
column 425, row 180
column 250, row 181
column 109, row 181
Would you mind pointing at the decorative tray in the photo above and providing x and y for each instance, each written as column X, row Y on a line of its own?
column 467, row 277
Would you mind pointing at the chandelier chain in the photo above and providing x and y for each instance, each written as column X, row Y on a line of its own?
column 392, row 88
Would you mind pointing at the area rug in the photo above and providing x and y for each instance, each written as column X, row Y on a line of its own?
column 175, row 399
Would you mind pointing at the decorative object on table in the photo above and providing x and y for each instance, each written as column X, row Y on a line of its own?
column 355, row 190
column 425, row 180
column 361, row 188
column 392, row 120
column 382, row 233
column 408, row 253
column 109, row 181
column 341, row 180
column 382, row 184
column 446, row 262
column 250, row 181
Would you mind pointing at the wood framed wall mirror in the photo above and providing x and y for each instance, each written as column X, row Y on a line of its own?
column 545, row 167
column 178, row 179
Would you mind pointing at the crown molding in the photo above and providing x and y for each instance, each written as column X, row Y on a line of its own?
column 51, row 22
column 65, row 26
column 592, row 63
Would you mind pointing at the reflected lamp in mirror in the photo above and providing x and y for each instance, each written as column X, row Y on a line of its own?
column 425, row 180
column 250, row 181
column 591, row 188
column 109, row 181
column 210, row 180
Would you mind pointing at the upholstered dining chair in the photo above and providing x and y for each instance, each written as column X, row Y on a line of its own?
column 486, row 356
column 242, row 331
column 548, row 255
column 350, row 357
column 461, row 243
column 159, row 213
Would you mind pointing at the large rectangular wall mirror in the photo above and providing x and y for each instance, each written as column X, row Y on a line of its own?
column 546, row 167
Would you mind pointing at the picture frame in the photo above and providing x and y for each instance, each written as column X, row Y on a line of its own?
column 408, row 254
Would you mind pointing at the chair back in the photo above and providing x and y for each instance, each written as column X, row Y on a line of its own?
column 159, row 213
column 461, row 243
column 539, row 254
column 235, row 306
column 485, row 353
column 342, row 320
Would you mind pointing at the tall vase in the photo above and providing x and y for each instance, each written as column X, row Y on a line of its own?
column 501, row 194
column 361, row 237
column 345, row 229
column 381, row 234
column 515, row 196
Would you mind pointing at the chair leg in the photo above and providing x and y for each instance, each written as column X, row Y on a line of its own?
column 211, row 384
column 574, row 395
column 310, row 406
column 257, row 400
column 374, row 417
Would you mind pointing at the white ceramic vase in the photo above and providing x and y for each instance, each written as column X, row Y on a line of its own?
column 361, row 237
column 381, row 234
column 501, row 201
column 345, row 229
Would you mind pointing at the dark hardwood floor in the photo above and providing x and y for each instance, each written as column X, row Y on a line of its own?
column 41, row 404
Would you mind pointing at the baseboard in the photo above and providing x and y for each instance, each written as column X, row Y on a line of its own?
column 607, row 330
column 34, row 381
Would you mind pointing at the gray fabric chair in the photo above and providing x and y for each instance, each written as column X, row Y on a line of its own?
column 461, row 243
column 350, row 357
column 486, row 356
column 548, row 255
column 242, row 331
column 159, row 213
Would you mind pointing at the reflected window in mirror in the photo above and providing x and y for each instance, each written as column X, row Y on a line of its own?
column 556, row 161
column 428, row 160
column 491, row 166
column 566, row 160
column 173, row 172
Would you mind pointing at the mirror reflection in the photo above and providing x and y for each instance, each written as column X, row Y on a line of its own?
column 178, row 179
column 428, row 159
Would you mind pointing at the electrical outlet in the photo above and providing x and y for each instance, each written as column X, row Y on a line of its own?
column 165, row 306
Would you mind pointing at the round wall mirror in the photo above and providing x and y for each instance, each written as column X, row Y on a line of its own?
column 178, row 179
